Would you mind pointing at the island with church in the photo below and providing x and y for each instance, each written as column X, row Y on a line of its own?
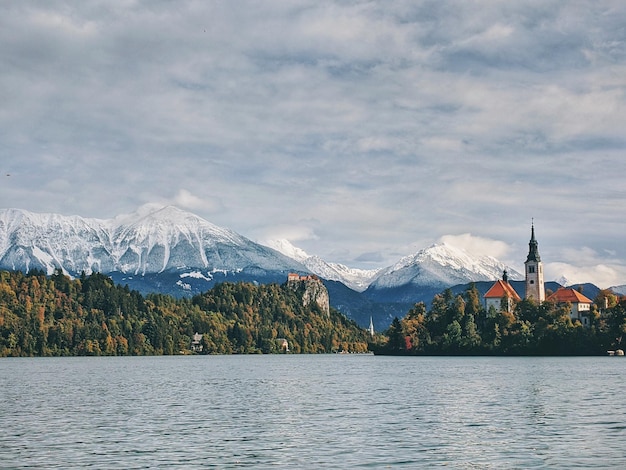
column 504, row 321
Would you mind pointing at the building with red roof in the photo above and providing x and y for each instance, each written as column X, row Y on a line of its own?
column 580, row 305
column 501, row 295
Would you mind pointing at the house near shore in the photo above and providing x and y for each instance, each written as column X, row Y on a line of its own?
column 283, row 344
column 196, row 342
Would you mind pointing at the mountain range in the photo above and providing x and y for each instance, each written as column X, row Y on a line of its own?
column 168, row 250
column 146, row 242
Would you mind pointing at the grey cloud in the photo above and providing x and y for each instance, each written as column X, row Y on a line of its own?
column 373, row 257
column 387, row 122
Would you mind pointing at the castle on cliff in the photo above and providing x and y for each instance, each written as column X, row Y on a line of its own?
column 313, row 290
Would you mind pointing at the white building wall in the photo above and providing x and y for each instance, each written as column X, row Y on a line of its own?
column 534, row 282
column 497, row 304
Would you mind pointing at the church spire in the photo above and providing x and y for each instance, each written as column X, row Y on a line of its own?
column 534, row 270
column 533, row 246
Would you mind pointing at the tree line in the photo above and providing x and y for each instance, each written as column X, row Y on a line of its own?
column 54, row 315
column 460, row 325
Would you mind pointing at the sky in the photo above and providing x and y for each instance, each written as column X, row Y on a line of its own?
column 361, row 131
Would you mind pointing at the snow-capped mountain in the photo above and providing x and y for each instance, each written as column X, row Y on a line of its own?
column 146, row 242
column 442, row 265
column 356, row 279
column 564, row 281
column 49, row 241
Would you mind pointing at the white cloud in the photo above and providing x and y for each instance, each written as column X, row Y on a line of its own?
column 602, row 275
column 478, row 246
column 291, row 233
column 585, row 264
column 187, row 200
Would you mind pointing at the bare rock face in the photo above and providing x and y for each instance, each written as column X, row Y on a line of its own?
column 313, row 290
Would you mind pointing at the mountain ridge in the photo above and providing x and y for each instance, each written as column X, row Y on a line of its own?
column 354, row 278
column 168, row 250
column 442, row 265
column 167, row 239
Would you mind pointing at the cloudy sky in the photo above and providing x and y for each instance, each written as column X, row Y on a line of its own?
column 361, row 131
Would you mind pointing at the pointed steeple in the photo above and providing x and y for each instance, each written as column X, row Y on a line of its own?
column 533, row 247
column 535, row 288
column 505, row 276
column 371, row 328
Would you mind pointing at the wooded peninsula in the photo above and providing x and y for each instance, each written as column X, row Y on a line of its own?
column 54, row 315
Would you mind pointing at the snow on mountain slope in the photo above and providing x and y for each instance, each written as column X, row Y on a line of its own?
column 286, row 248
column 442, row 265
column 356, row 279
column 152, row 241
column 47, row 241
column 169, row 238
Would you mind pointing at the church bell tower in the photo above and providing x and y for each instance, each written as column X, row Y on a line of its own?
column 534, row 271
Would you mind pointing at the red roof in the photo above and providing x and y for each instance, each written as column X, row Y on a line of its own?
column 501, row 289
column 568, row 295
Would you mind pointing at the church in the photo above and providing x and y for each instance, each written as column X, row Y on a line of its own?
column 503, row 297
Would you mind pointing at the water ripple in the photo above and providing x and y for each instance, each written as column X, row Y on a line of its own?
column 335, row 411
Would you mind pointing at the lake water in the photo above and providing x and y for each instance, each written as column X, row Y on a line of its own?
column 327, row 411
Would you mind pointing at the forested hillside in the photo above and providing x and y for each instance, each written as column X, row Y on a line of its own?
column 460, row 325
column 54, row 315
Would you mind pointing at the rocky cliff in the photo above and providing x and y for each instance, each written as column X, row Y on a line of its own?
column 312, row 290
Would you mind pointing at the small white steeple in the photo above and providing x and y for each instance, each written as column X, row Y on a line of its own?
column 371, row 328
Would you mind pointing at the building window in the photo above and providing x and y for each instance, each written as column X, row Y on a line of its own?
column 532, row 282
column 531, row 269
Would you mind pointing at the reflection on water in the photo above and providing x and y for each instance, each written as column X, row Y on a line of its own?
column 332, row 411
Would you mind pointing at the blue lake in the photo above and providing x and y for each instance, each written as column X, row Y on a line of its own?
column 326, row 411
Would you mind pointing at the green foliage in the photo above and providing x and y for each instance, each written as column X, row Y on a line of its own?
column 461, row 326
column 58, row 316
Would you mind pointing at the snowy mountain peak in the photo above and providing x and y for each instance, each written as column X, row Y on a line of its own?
column 443, row 265
column 285, row 247
column 152, row 240
column 169, row 225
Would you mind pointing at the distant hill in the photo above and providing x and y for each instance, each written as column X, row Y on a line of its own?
column 55, row 316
